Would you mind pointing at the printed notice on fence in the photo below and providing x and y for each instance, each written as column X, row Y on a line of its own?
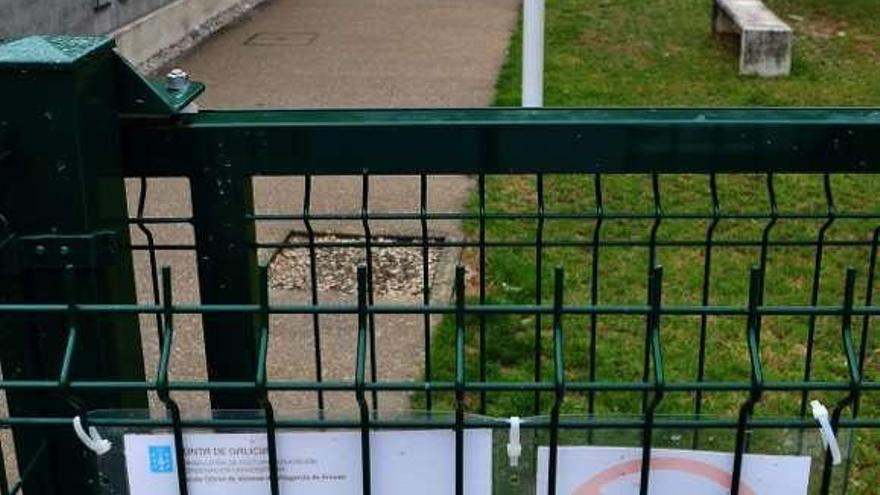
column 617, row 471
column 403, row 462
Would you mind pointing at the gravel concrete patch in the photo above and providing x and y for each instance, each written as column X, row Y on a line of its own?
column 397, row 271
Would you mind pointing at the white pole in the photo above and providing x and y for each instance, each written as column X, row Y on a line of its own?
column 533, row 54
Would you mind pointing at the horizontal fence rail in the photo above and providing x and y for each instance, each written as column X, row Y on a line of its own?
column 514, row 141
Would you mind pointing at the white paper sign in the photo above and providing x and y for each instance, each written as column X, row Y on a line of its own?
column 403, row 462
column 617, row 471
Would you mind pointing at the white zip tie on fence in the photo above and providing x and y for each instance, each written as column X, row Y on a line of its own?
column 820, row 413
column 93, row 439
column 514, row 449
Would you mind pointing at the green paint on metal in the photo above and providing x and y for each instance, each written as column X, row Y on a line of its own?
column 69, row 336
column 500, row 141
column 222, row 198
column 54, row 251
column 62, row 196
column 51, row 52
column 137, row 96
column 535, row 117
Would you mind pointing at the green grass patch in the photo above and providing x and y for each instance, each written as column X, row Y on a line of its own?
column 661, row 53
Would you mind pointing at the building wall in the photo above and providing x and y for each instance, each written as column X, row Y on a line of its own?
column 23, row 17
column 149, row 33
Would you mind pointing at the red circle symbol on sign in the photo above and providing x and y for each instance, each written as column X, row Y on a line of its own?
column 722, row 478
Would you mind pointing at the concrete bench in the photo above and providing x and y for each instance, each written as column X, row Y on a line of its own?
column 765, row 41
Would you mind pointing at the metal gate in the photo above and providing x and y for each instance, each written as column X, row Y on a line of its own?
column 76, row 120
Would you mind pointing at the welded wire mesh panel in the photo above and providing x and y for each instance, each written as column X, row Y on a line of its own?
column 743, row 256
column 617, row 279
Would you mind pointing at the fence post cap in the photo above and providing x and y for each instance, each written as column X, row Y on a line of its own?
column 52, row 52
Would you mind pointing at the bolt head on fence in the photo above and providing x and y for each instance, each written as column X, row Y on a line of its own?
column 177, row 80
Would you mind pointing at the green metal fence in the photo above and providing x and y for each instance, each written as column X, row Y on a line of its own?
column 76, row 121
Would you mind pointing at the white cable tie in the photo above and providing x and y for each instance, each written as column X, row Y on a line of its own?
column 93, row 439
column 820, row 413
column 514, row 449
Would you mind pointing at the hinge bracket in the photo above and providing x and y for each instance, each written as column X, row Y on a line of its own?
column 55, row 252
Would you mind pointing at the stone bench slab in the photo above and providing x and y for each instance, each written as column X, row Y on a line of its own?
column 765, row 40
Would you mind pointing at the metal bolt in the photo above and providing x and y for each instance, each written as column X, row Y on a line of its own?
column 40, row 250
column 177, row 80
column 64, row 251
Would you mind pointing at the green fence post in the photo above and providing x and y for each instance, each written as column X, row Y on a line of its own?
column 222, row 199
column 63, row 197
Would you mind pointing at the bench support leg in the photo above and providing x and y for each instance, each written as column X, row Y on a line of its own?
column 765, row 53
column 721, row 23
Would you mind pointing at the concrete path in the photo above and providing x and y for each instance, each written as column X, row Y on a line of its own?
column 357, row 53
column 333, row 53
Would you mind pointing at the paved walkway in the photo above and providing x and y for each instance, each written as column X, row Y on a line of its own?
column 334, row 53
column 357, row 53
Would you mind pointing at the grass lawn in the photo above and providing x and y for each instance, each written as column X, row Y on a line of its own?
column 661, row 53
